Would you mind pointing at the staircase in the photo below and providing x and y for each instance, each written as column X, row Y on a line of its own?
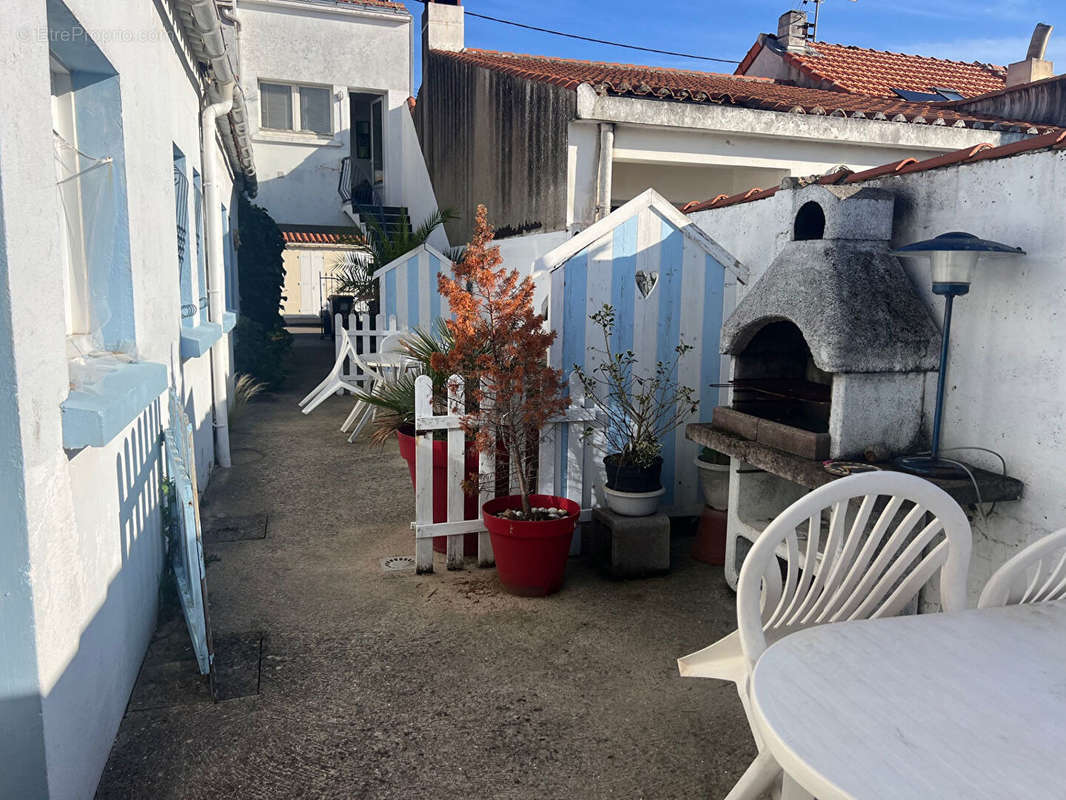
column 361, row 202
column 389, row 218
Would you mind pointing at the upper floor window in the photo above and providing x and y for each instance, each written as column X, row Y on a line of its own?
column 292, row 107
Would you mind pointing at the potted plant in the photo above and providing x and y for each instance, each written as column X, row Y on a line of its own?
column 502, row 342
column 638, row 409
column 394, row 407
column 714, row 477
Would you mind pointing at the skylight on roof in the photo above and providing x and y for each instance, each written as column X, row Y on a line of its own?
column 935, row 95
column 948, row 94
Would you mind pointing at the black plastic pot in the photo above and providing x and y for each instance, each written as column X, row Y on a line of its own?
column 630, row 477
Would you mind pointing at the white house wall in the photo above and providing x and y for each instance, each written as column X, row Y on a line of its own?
column 681, row 136
column 348, row 49
column 521, row 253
column 1007, row 365
column 91, row 551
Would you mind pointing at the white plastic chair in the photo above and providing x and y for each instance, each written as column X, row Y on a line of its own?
column 874, row 557
column 391, row 349
column 333, row 381
column 1036, row 574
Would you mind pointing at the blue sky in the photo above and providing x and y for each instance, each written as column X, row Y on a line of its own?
column 966, row 30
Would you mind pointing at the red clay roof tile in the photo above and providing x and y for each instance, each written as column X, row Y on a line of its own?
column 878, row 72
column 319, row 234
column 875, row 172
column 710, row 87
column 1053, row 140
column 945, row 160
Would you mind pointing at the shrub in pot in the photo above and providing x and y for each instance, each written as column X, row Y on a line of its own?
column 637, row 410
column 502, row 343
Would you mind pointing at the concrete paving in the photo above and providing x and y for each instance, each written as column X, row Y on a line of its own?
column 358, row 683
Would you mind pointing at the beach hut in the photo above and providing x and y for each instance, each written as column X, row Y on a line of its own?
column 667, row 282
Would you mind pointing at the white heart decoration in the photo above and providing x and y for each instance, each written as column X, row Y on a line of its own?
column 646, row 282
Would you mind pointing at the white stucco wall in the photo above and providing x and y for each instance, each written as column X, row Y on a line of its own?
column 1007, row 372
column 92, row 528
column 520, row 253
column 347, row 48
column 669, row 145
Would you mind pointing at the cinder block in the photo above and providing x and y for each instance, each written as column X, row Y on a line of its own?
column 630, row 547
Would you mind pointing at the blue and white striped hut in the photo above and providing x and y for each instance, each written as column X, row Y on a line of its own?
column 408, row 288
column 666, row 280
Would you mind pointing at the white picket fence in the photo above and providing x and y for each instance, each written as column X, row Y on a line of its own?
column 375, row 328
column 568, row 466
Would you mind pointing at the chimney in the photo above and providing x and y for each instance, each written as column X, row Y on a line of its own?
column 792, row 31
column 442, row 27
column 1034, row 68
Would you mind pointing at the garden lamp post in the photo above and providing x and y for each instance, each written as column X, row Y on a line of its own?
column 953, row 258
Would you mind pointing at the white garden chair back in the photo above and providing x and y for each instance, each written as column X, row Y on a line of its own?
column 1036, row 574
column 857, row 548
column 870, row 563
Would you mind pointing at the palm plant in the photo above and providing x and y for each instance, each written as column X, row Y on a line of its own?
column 394, row 400
column 381, row 245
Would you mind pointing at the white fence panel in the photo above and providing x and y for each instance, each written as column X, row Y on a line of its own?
column 364, row 339
column 566, row 468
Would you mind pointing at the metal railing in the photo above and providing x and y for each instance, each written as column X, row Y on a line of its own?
column 354, row 186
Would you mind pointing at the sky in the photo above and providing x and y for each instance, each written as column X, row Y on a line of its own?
column 964, row 30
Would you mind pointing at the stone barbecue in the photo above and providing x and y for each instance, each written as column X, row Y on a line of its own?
column 830, row 347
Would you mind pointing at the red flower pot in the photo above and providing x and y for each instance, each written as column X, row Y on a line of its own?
column 440, row 488
column 531, row 556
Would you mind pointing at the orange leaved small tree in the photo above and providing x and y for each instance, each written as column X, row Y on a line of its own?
column 501, row 344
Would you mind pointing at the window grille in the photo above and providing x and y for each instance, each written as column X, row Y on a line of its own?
column 181, row 194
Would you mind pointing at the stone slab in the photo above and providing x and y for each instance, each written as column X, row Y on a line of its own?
column 810, row 473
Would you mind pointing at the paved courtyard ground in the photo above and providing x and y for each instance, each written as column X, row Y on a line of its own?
column 350, row 682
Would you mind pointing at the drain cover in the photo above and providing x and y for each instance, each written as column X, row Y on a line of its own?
column 397, row 563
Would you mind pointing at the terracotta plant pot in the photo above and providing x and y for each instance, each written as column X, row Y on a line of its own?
column 631, row 478
column 440, row 487
column 709, row 546
column 531, row 556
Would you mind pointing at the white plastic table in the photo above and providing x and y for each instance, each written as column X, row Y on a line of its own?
column 966, row 705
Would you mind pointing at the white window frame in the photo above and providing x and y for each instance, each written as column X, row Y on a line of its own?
column 297, row 126
column 77, row 305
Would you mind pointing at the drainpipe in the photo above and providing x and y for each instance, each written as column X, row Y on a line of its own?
column 606, row 170
column 216, row 278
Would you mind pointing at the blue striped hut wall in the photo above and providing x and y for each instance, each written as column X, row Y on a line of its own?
column 408, row 288
column 685, row 304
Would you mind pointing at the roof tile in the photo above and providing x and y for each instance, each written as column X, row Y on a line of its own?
column 878, row 72
column 711, row 87
column 1053, row 140
column 319, row 234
